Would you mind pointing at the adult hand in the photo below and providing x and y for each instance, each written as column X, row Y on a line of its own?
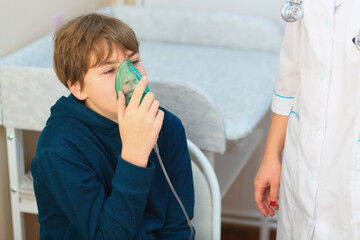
column 267, row 182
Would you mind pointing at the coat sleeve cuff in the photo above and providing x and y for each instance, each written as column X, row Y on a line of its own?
column 282, row 105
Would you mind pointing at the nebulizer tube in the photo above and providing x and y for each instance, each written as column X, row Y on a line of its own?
column 156, row 148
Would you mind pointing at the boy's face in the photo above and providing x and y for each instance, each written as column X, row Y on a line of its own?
column 98, row 90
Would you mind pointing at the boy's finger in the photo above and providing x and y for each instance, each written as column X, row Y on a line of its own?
column 159, row 118
column 138, row 92
column 121, row 105
column 154, row 108
column 147, row 102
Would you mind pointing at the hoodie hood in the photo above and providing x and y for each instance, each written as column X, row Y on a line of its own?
column 71, row 107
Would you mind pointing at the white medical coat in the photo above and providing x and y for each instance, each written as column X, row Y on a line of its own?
column 318, row 87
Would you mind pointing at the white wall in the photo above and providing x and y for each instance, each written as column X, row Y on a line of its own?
column 24, row 21
column 266, row 8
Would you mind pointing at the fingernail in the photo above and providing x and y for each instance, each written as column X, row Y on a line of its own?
column 272, row 203
column 144, row 79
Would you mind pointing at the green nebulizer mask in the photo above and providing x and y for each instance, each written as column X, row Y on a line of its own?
column 127, row 78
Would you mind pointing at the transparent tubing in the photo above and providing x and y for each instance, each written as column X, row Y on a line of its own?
column 156, row 148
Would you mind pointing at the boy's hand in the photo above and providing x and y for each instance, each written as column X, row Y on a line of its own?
column 139, row 125
column 267, row 182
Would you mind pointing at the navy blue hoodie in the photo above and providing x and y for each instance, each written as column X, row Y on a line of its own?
column 85, row 190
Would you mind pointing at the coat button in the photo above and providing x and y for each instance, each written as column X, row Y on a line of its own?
column 312, row 175
column 327, row 22
column 309, row 221
column 322, row 75
column 317, row 126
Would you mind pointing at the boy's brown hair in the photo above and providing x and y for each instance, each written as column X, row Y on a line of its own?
column 79, row 39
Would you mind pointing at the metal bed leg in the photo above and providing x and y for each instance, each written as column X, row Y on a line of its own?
column 264, row 229
column 16, row 172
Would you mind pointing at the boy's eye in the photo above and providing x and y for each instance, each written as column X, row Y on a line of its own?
column 135, row 62
column 109, row 71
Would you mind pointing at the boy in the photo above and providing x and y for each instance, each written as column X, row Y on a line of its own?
column 95, row 173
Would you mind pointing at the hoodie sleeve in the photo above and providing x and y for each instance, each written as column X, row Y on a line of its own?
column 288, row 77
column 176, row 226
column 81, row 196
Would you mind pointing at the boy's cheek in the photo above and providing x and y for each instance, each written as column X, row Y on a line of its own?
column 142, row 70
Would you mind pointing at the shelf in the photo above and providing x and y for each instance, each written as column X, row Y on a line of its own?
column 27, row 200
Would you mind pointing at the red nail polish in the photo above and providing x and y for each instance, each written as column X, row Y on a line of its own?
column 272, row 203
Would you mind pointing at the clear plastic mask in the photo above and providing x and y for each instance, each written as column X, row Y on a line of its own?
column 127, row 78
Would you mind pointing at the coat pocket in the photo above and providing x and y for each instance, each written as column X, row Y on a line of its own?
column 291, row 143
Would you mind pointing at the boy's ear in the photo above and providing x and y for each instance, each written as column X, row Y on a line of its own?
column 76, row 90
